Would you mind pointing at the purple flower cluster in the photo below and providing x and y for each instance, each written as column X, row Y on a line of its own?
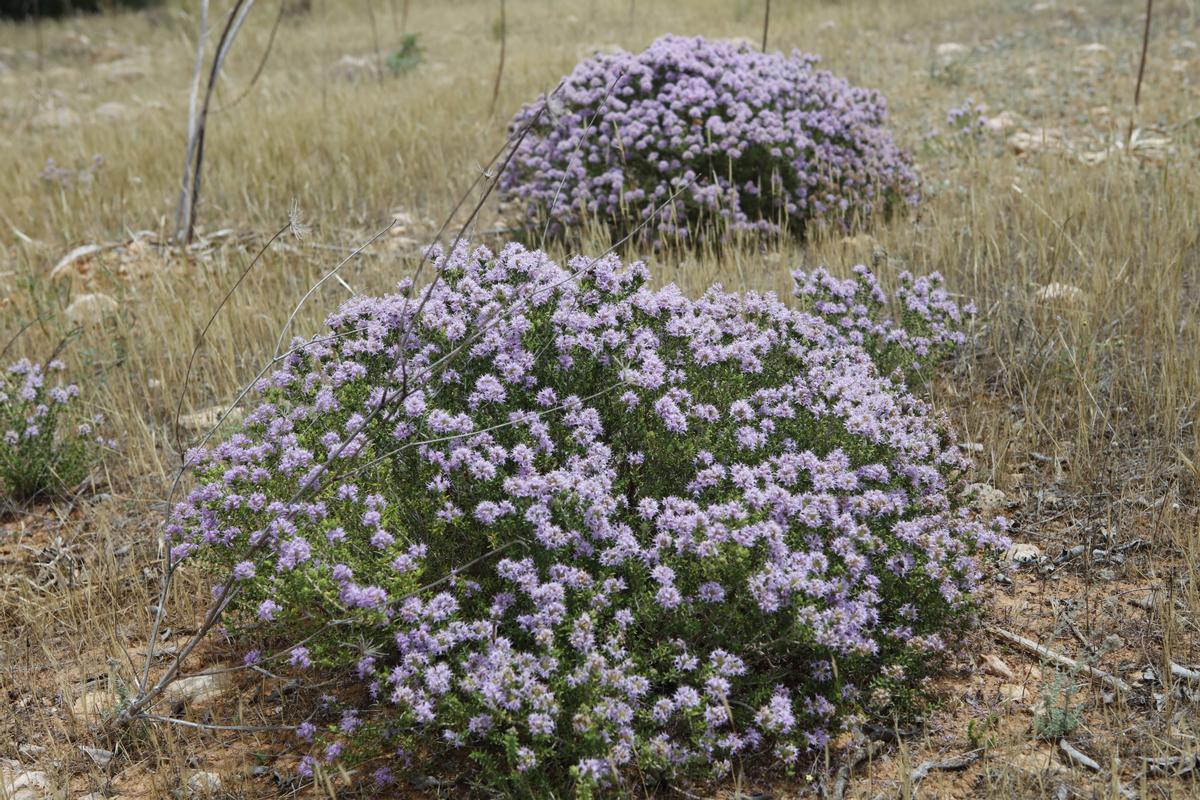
column 37, row 456
column 928, row 324
column 967, row 118
column 569, row 523
column 694, row 138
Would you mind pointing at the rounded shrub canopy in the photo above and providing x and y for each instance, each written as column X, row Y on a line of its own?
column 694, row 138
column 562, row 523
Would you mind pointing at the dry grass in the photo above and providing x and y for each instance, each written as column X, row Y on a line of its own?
column 1085, row 403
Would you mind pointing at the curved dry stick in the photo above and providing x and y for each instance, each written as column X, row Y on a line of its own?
column 261, row 64
column 233, row 25
column 295, row 311
column 21, row 332
column 766, row 25
column 1062, row 660
column 184, row 206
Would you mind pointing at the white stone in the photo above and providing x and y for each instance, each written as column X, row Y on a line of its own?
column 93, row 705
column 984, row 498
column 1024, row 553
column 18, row 783
column 1000, row 123
column 952, row 50
column 1013, row 693
column 91, row 309
column 995, row 665
column 197, row 688
column 1038, row 762
column 203, row 784
column 99, row 755
column 1037, row 140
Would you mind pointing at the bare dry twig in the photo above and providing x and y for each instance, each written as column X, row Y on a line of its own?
column 1137, row 91
column 949, row 765
column 1058, row 658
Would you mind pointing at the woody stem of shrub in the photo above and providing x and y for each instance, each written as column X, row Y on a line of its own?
column 766, row 25
column 500, row 65
column 185, row 215
column 262, row 63
column 1137, row 91
column 183, row 209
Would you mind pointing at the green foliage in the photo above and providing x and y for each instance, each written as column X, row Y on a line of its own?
column 982, row 734
column 1057, row 716
column 408, row 57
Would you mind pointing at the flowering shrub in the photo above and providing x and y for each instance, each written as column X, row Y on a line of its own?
column 564, row 524
column 967, row 119
column 39, row 453
column 928, row 330
column 695, row 138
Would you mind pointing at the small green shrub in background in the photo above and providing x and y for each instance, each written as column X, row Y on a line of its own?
column 46, row 447
column 30, row 9
column 408, row 57
column 1058, row 715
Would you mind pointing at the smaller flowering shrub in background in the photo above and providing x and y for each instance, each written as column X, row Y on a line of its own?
column 575, row 530
column 46, row 447
column 968, row 119
column 695, row 139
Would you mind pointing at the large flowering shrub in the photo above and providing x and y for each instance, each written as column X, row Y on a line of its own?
column 695, row 138
column 45, row 446
column 562, row 524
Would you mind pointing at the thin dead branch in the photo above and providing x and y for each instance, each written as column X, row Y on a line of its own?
column 1137, row 91
column 1055, row 657
column 500, row 66
column 947, row 765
